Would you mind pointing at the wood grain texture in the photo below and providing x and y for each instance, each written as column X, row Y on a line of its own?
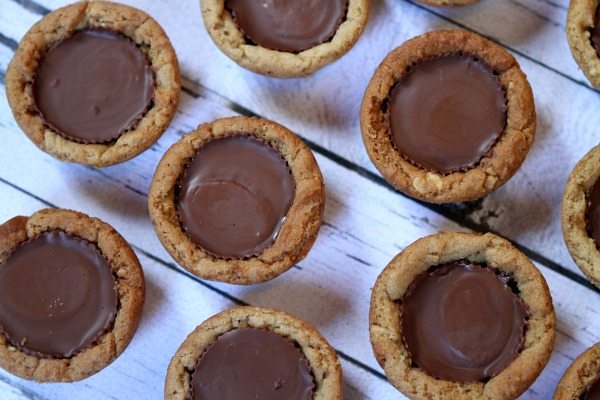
column 366, row 223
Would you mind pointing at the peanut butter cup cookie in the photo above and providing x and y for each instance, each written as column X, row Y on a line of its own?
column 285, row 38
column 583, row 33
column 448, row 116
column 582, row 379
column 84, row 297
column 461, row 316
column 94, row 82
column 248, row 353
column 581, row 215
column 238, row 200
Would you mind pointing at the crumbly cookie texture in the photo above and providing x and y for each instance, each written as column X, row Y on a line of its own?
column 581, row 246
column 442, row 248
column 580, row 19
column 228, row 37
column 59, row 25
column 448, row 3
column 495, row 168
column 298, row 232
column 131, row 290
column 584, row 371
column 321, row 357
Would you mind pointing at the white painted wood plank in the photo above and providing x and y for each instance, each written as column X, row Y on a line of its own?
column 324, row 107
column 365, row 225
column 174, row 306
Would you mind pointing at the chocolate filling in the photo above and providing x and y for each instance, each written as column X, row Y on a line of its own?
column 463, row 322
column 595, row 32
column 57, row 295
column 249, row 364
column 593, row 393
column 93, row 86
column 288, row 25
column 234, row 196
column 593, row 213
column 446, row 113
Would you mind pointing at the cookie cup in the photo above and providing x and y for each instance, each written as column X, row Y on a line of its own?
column 297, row 233
column 231, row 40
column 134, row 24
column 580, row 375
column 130, row 290
column 495, row 252
column 580, row 19
column 501, row 161
column 323, row 360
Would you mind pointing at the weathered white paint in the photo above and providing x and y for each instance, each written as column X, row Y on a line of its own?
column 365, row 223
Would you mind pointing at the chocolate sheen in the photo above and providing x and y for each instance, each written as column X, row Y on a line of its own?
column 595, row 32
column 593, row 213
column 93, row 86
column 57, row 295
column 288, row 25
column 234, row 196
column 462, row 323
column 250, row 364
column 593, row 393
column 447, row 113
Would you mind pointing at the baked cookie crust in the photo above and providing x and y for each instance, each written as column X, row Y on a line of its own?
column 61, row 24
column 580, row 19
column 228, row 37
column 321, row 357
column 496, row 167
column 497, row 253
column 131, row 291
column 298, row 232
column 573, row 215
column 580, row 375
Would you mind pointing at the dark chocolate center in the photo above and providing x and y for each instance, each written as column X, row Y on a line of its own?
column 93, row 86
column 234, row 196
column 288, row 25
column 446, row 113
column 593, row 213
column 595, row 32
column 57, row 295
column 593, row 393
column 461, row 322
column 250, row 364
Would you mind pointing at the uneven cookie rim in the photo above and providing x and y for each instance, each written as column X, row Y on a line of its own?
column 230, row 39
column 60, row 24
column 502, row 160
column 581, row 246
column 323, row 360
column 580, row 19
column 441, row 248
column 297, row 233
column 580, row 375
column 131, row 292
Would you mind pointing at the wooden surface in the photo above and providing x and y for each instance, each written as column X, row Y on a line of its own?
column 366, row 223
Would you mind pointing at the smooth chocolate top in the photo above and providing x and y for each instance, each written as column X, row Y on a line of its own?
column 447, row 113
column 593, row 213
column 250, row 364
column 595, row 32
column 288, row 25
column 593, row 393
column 234, row 196
column 57, row 295
column 93, row 86
column 462, row 323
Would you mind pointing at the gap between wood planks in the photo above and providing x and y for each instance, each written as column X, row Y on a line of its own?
column 222, row 293
column 457, row 212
